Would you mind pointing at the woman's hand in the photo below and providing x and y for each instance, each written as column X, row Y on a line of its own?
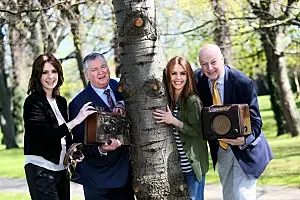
column 162, row 116
column 85, row 111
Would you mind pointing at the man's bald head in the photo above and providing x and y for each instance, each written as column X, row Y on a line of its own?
column 211, row 60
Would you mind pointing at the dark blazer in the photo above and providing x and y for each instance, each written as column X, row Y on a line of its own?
column 96, row 170
column 255, row 155
column 42, row 133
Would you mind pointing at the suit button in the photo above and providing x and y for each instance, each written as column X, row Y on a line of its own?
column 191, row 161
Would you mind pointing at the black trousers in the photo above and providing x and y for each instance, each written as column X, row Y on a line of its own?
column 45, row 184
column 121, row 193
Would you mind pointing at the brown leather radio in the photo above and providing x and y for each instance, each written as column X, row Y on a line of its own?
column 226, row 121
column 102, row 126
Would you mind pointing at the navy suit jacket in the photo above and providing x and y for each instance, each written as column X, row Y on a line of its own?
column 96, row 170
column 255, row 155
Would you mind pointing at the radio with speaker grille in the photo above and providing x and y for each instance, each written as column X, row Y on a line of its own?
column 226, row 121
column 102, row 126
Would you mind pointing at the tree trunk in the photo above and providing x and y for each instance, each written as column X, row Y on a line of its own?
column 275, row 61
column 275, row 103
column 222, row 34
column 35, row 35
column 296, row 79
column 17, row 46
column 272, row 38
column 155, row 161
column 74, row 19
column 6, row 119
column 116, row 50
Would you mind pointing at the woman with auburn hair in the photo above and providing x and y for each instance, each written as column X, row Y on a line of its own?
column 47, row 131
column 184, row 114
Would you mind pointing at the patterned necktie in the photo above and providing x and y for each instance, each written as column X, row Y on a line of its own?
column 109, row 99
column 217, row 101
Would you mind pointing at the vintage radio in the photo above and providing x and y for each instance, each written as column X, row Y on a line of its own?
column 226, row 121
column 101, row 126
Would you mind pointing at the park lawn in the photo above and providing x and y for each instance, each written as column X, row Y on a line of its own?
column 22, row 196
column 12, row 163
column 14, row 196
column 284, row 169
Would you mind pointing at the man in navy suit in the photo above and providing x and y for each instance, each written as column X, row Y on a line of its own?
column 243, row 161
column 105, row 171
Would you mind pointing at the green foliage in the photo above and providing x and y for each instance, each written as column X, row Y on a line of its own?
column 72, row 84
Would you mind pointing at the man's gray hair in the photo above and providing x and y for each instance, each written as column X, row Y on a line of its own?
column 91, row 56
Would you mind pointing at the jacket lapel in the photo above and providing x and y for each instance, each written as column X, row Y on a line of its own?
column 94, row 98
column 204, row 92
column 62, row 108
column 227, row 85
column 49, row 112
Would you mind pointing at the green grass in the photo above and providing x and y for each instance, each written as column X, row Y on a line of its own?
column 12, row 163
column 14, row 196
column 284, row 169
column 23, row 196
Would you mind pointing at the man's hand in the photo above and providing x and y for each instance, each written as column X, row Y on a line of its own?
column 115, row 143
column 235, row 142
column 119, row 109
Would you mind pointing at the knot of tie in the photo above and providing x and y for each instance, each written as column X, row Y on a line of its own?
column 109, row 98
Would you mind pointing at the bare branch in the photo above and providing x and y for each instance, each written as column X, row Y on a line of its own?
column 190, row 30
column 59, row 3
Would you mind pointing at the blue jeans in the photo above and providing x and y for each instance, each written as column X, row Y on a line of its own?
column 196, row 187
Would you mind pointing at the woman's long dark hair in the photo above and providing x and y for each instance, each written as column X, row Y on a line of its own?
column 189, row 88
column 35, row 84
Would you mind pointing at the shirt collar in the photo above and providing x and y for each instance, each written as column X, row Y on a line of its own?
column 100, row 90
column 220, row 80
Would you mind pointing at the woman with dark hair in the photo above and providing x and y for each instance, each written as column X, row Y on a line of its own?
column 184, row 114
column 47, row 131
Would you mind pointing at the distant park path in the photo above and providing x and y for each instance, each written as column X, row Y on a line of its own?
column 212, row 191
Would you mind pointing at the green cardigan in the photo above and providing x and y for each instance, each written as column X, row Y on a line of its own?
column 191, row 134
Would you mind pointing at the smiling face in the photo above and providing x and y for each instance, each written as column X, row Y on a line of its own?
column 49, row 78
column 178, row 78
column 98, row 72
column 211, row 61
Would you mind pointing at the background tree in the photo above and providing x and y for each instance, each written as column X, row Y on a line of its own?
column 273, row 27
column 6, row 118
column 222, row 35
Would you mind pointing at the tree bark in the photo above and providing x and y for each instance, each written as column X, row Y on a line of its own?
column 73, row 15
column 6, row 119
column 17, row 46
column 272, row 38
column 222, row 34
column 155, row 161
column 296, row 79
column 275, row 103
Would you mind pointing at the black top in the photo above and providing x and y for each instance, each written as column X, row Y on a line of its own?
column 42, row 132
